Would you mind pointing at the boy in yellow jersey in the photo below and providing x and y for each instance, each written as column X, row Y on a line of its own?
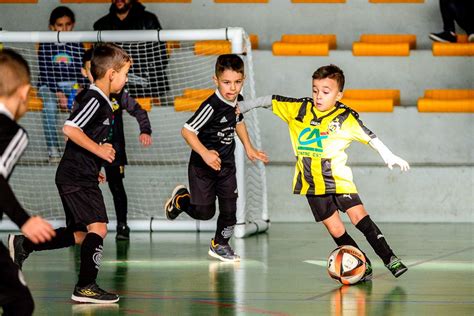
column 321, row 129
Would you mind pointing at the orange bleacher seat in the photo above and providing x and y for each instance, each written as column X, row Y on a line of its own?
column 34, row 102
column 453, row 49
column 191, row 99
column 146, row 103
column 371, row 94
column 396, row 1
column 374, row 49
column 389, row 39
column 369, row 105
column 298, row 49
column 241, row 1
column 318, row 1
column 212, row 47
column 253, row 40
column 454, row 100
column 310, row 38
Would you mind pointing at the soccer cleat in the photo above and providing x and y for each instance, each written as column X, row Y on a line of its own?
column 368, row 272
column 17, row 252
column 123, row 232
column 222, row 252
column 172, row 206
column 444, row 37
column 396, row 266
column 92, row 293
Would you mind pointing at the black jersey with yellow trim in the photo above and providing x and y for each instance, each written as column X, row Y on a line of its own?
column 94, row 116
column 214, row 124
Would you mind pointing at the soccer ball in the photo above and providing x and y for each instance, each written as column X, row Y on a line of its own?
column 346, row 264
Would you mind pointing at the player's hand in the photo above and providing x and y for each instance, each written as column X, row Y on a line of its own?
column 211, row 158
column 38, row 230
column 106, row 152
column 102, row 177
column 145, row 139
column 254, row 154
column 62, row 99
column 395, row 160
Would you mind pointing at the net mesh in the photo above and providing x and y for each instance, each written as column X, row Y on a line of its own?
column 168, row 79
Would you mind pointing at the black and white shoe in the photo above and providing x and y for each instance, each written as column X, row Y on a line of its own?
column 123, row 232
column 396, row 266
column 444, row 37
column 172, row 206
column 92, row 293
column 222, row 252
column 17, row 252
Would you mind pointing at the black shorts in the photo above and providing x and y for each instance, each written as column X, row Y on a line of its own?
column 323, row 206
column 82, row 206
column 205, row 184
column 12, row 283
column 114, row 173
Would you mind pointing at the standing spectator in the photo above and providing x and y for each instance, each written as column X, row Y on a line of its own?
column 147, row 78
column 461, row 11
column 60, row 73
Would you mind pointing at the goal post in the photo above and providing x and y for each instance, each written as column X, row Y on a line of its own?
column 151, row 173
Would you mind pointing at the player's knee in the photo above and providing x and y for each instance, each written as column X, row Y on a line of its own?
column 228, row 207
column 205, row 212
column 98, row 228
column 336, row 230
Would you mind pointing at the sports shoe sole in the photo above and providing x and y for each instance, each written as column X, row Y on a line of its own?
column 438, row 39
column 216, row 256
column 81, row 299
column 168, row 202
column 400, row 272
column 11, row 247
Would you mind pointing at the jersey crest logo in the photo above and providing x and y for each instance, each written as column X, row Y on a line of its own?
column 310, row 139
column 115, row 105
column 223, row 120
column 334, row 126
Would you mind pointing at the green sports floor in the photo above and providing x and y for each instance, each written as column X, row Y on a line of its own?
column 282, row 273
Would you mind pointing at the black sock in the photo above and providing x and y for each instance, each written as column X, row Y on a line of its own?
column 91, row 255
column 226, row 220
column 375, row 238
column 64, row 238
column 346, row 239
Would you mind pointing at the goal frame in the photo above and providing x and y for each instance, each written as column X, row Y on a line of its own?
column 239, row 45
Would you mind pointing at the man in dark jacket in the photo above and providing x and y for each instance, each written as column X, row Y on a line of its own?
column 147, row 77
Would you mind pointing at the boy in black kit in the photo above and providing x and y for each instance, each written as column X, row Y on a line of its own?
column 88, row 130
column 210, row 133
column 15, row 297
column 115, row 171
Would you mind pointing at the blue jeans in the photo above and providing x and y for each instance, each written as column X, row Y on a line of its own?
column 50, row 112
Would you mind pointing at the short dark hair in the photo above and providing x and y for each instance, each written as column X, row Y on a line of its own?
column 87, row 57
column 229, row 62
column 15, row 72
column 332, row 72
column 107, row 56
column 59, row 12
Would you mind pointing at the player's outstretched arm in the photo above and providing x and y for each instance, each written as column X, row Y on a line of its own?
column 251, row 152
column 262, row 102
column 104, row 151
column 388, row 157
column 210, row 157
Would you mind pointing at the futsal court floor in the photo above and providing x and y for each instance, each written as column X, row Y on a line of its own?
column 282, row 273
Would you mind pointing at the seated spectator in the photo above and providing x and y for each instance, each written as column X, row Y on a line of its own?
column 60, row 74
column 147, row 77
column 461, row 11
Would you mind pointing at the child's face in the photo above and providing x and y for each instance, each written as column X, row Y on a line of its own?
column 119, row 78
column 229, row 83
column 63, row 24
column 86, row 71
column 325, row 93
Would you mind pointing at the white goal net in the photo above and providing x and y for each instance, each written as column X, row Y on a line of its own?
column 171, row 75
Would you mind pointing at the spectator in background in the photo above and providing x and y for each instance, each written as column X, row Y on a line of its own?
column 147, row 77
column 461, row 11
column 59, row 77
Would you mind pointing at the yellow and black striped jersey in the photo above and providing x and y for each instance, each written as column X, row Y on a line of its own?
column 319, row 140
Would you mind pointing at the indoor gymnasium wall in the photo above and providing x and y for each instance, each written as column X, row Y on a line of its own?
column 438, row 188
